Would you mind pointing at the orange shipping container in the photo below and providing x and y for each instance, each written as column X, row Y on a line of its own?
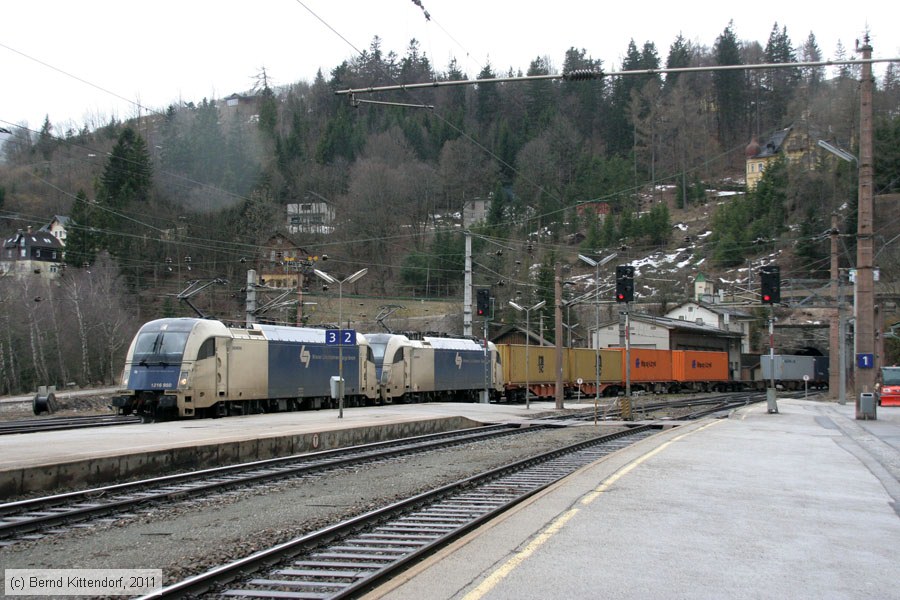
column 693, row 365
column 649, row 365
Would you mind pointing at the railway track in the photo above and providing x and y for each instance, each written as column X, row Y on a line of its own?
column 42, row 515
column 60, row 423
column 348, row 558
column 715, row 403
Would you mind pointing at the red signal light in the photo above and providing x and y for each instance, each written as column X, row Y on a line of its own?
column 766, row 298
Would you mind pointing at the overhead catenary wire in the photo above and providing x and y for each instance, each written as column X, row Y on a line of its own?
column 581, row 75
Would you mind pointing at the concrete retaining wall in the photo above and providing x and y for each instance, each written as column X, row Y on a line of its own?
column 105, row 470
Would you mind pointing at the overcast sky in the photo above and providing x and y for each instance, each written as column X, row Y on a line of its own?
column 82, row 62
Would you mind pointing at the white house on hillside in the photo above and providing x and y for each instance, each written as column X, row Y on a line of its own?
column 726, row 318
column 314, row 215
column 31, row 253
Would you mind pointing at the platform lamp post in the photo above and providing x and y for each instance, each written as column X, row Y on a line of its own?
column 597, row 264
column 340, row 283
column 839, row 350
column 527, row 312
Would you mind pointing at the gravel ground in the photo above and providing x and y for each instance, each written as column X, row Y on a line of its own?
column 70, row 405
column 192, row 536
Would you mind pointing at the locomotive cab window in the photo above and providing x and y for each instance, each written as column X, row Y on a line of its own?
column 207, row 349
column 398, row 356
column 377, row 349
column 160, row 346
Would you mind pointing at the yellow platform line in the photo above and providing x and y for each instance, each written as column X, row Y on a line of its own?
column 509, row 566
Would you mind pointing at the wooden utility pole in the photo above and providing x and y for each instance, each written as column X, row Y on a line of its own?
column 864, row 328
column 560, row 392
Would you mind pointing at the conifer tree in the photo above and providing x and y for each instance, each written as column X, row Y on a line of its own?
column 810, row 52
column 731, row 90
column 809, row 248
column 778, row 84
column 268, row 105
column 46, row 142
column 487, row 97
column 619, row 131
column 128, row 173
column 82, row 239
column 126, row 179
column 680, row 54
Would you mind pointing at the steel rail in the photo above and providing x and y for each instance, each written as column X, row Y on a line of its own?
column 30, row 515
column 62, row 423
column 332, row 573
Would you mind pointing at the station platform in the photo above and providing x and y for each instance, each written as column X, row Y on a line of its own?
column 49, row 461
column 804, row 503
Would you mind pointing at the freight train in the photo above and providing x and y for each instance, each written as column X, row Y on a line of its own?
column 794, row 372
column 189, row 367
column 607, row 372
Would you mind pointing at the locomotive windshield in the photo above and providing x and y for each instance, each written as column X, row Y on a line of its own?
column 378, row 344
column 377, row 351
column 160, row 346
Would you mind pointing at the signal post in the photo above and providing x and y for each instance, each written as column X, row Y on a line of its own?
column 770, row 293
column 483, row 309
column 625, row 294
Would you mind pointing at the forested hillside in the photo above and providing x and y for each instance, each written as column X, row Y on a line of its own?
column 194, row 191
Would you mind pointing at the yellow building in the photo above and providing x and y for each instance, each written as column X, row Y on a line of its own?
column 759, row 156
column 796, row 143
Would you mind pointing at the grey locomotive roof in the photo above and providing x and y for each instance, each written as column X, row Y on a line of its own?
column 308, row 335
column 453, row 343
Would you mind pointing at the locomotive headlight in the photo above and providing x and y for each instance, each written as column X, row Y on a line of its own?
column 183, row 380
column 125, row 373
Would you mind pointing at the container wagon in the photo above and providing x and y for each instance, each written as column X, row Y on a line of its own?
column 695, row 370
column 539, row 371
column 790, row 371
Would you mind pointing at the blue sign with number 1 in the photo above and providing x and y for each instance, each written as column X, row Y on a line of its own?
column 865, row 361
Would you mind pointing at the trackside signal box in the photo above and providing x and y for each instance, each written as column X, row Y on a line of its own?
column 624, row 283
column 770, row 284
column 483, row 302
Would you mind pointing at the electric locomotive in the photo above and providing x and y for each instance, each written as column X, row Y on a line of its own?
column 188, row 367
column 435, row 368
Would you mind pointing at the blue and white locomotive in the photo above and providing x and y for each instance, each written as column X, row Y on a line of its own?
column 188, row 367
column 435, row 368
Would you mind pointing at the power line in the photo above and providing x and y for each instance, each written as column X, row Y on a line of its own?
column 77, row 78
column 583, row 75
